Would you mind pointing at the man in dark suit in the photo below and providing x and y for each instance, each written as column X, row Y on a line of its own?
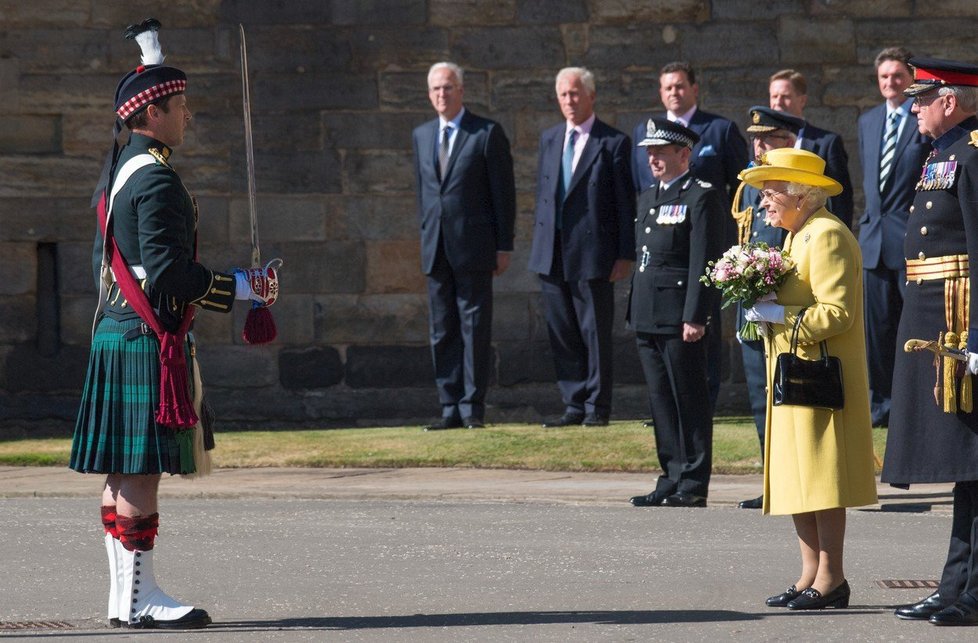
column 677, row 232
column 582, row 243
column 717, row 158
column 892, row 152
column 467, row 209
column 769, row 129
column 788, row 91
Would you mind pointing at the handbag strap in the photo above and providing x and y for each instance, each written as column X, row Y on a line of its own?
column 794, row 336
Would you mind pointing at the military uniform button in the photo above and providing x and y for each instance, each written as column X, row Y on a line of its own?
column 923, row 230
column 755, row 234
column 911, row 208
column 952, row 157
column 679, row 283
column 921, row 256
column 645, row 248
column 930, row 204
column 648, row 230
column 919, row 281
column 641, row 268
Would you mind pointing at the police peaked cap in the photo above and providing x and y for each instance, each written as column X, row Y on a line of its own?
column 932, row 73
column 150, row 81
column 661, row 131
column 764, row 119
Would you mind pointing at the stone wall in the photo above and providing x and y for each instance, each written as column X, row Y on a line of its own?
column 337, row 86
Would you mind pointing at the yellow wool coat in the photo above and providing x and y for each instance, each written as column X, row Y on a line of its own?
column 818, row 459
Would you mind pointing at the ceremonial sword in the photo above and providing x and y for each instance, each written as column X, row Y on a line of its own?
column 916, row 345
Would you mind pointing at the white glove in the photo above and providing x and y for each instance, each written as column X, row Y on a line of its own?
column 765, row 311
column 260, row 285
column 973, row 363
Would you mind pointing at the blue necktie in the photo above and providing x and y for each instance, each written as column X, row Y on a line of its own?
column 567, row 163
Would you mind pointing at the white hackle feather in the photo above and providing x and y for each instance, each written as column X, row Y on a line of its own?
column 149, row 43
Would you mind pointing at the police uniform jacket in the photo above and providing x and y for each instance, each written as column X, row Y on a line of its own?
column 677, row 233
column 925, row 443
column 154, row 222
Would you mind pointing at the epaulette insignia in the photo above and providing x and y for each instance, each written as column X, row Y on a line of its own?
column 974, row 138
column 704, row 184
column 160, row 155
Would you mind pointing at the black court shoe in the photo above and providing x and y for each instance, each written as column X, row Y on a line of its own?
column 812, row 599
column 782, row 600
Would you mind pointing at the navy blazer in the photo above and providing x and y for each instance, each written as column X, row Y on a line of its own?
column 473, row 210
column 598, row 211
column 717, row 158
column 829, row 146
column 884, row 223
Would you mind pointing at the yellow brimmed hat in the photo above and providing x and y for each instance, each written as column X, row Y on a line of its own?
column 795, row 166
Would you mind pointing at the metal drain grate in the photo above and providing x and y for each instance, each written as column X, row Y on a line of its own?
column 908, row 584
column 36, row 625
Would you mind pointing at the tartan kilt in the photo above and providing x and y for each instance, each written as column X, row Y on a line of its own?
column 116, row 430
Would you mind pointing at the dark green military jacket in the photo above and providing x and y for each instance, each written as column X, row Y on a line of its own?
column 154, row 222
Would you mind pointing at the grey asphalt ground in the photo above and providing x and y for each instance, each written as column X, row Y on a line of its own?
column 458, row 555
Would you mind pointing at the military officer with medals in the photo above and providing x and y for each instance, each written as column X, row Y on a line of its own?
column 933, row 430
column 140, row 413
column 678, row 230
column 769, row 129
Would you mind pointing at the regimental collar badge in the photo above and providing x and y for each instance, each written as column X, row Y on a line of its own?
column 161, row 154
column 974, row 138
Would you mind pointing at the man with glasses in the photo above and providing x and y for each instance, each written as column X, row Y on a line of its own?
column 933, row 433
column 891, row 151
column 769, row 129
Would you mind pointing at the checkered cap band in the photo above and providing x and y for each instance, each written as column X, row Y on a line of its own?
column 149, row 95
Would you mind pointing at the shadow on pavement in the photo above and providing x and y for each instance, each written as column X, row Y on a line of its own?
column 602, row 617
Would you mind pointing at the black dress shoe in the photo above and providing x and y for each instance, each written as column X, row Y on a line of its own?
column 473, row 423
column 685, row 499
column 812, row 599
column 193, row 620
column 781, row 600
column 593, row 419
column 444, row 424
column 567, row 419
column 963, row 612
column 922, row 610
column 653, row 499
column 753, row 503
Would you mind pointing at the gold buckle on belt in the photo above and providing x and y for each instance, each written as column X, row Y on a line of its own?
column 947, row 267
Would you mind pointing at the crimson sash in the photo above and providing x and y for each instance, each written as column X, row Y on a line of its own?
column 176, row 408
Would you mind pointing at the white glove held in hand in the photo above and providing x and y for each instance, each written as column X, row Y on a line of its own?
column 765, row 311
column 973, row 363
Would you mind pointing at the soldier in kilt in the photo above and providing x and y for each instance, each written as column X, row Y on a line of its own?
column 141, row 403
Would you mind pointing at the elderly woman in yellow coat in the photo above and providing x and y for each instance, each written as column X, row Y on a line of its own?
column 817, row 462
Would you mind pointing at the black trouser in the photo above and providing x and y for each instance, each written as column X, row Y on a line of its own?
column 883, row 303
column 675, row 372
column 961, row 569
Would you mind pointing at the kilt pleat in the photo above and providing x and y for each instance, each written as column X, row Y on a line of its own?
column 116, row 431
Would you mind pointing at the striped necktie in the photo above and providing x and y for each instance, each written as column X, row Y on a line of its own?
column 889, row 147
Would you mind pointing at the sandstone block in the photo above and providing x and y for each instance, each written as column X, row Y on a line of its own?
column 654, row 11
column 832, row 42
column 710, row 45
column 388, row 172
column 29, row 176
column 522, row 362
column 393, row 267
column 634, row 45
column 310, row 368
column 509, row 47
column 280, row 218
column 18, row 264
column 551, row 11
column 350, row 319
column 757, row 9
column 374, row 48
column 511, row 317
column 19, row 319
column 77, row 315
column 291, row 173
column 22, row 368
column 314, row 90
column 371, row 217
column 238, row 366
column 30, row 135
column 376, row 131
column 389, row 367
column 454, row 13
column 324, row 267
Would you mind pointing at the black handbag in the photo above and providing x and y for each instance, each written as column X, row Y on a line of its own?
column 804, row 382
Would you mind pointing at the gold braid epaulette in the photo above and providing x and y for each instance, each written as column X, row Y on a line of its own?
column 741, row 217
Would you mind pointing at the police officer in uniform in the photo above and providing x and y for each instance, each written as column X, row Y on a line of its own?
column 769, row 129
column 678, row 230
column 140, row 410
column 933, row 432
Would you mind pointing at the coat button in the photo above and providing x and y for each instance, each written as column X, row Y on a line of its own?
column 679, row 283
column 648, row 230
column 919, row 280
column 641, row 268
column 930, row 204
column 755, row 234
column 921, row 256
column 645, row 248
column 911, row 208
column 923, row 230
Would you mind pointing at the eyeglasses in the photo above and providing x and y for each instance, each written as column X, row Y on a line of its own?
column 922, row 100
column 769, row 194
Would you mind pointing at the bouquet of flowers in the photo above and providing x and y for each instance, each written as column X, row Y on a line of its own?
column 747, row 273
